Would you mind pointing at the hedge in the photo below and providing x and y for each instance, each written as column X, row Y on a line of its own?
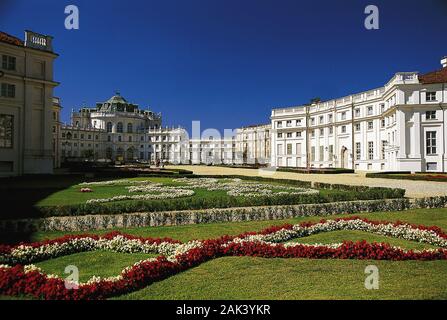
column 166, row 218
column 315, row 170
column 442, row 177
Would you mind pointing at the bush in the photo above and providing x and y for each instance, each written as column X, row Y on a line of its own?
column 315, row 170
column 409, row 176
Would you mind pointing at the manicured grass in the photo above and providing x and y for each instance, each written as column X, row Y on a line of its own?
column 73, row 196
column 94, row 263
column 354, row 235
column 259, row 278
column 427, row 217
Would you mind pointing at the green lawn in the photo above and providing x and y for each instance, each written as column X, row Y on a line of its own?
column 93, row 263
column 259, row 278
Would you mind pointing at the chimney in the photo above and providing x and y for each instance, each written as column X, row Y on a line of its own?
column 444, row 62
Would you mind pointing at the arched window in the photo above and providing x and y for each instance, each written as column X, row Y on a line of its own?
column 69, row 136
column 109, row 127
column 119, row 127
column 129, row 128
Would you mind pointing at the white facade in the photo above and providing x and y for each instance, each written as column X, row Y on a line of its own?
column 398, row 127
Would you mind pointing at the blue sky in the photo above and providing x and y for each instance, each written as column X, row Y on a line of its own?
column 228, row 62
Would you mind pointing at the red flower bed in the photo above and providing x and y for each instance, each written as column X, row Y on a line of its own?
column 15, row 281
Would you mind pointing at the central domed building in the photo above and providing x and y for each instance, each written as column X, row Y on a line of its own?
column 118, row 130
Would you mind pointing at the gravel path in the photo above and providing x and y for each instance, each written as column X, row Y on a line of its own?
column 414, row 189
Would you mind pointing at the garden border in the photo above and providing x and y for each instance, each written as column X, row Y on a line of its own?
column 185, row 217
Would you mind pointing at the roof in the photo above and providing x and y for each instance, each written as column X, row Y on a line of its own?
column 117, row 99
column 439, row 76
column 4, row 37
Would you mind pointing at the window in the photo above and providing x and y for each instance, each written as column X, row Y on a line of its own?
column 6, row 130
column 331, row 152
column 119, row 138
column 370, row 111
column 109, row 127
column 129, row 128
column 289, row 148
column 298, row 122
column 298, row 134
column 298, row 149
column 430, row 96
column 289, row 134
column 370, row 125
column 358, row 151
column 312, row 121
column 432, row 166
column 119, row 127
column 82, row 136
column 430, row 115
column 330, row 118
column 343, row 115
column 279, row 135
column 130, row 139
column 312, row 154
column 279, row 124
column 96, row 137
column 370, row 150
column 331, row 130
column 382, row 149
column 8, row 62
column 8, row 90
column 288, row 123
column 357, row 127
column 321, row 132
column 321, row 120
column 321, row 153
column 343, row 129
column 279, row 150
column 357, row 112
column 382, row 107
column 430, row 142
column 109, row 138
column 312, row 133
column 382, row 123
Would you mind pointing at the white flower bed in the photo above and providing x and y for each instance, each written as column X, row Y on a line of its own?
column 115, row 182
column 404, row 231
column 238, row 187
column 157, row 191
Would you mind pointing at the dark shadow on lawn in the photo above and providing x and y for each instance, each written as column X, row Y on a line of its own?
column 19, row 196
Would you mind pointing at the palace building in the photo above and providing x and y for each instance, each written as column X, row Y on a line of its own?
column 401, row 126
column 27, row 109
column 398, row 127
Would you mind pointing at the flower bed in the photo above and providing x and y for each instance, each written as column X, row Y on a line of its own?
column 18, row 276
column 158, row 191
